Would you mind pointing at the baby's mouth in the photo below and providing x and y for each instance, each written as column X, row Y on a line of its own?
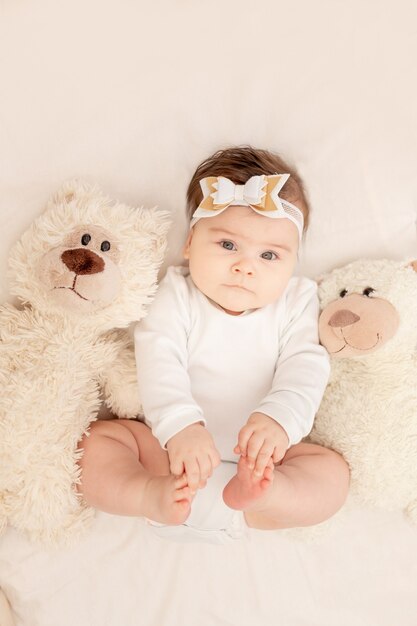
column 238, row 287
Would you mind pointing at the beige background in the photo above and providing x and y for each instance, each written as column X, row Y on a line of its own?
column 132, row 95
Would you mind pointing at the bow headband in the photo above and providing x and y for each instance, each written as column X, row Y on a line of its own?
column 259, row 192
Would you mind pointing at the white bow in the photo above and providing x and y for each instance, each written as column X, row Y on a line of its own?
column 259, row 192
column 251, row 193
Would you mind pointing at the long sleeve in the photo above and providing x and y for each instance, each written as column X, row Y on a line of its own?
column 302, row 369
column 162, row 359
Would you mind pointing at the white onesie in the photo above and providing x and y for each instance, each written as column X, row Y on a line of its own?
column 197, row 363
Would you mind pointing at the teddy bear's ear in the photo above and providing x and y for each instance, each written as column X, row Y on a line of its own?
column 70, row 190
column 413, row 264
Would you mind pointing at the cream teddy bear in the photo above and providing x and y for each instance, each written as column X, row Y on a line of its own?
column 85, row 267
column 368, row 325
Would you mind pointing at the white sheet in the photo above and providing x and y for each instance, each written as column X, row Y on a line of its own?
column 363, row 573
column 133, row 95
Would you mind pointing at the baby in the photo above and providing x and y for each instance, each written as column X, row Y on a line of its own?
column 230, row 370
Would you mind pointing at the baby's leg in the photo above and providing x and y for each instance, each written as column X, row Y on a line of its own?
column 308, row 487
column 125, row 471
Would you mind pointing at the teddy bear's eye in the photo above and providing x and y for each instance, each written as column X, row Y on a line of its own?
column 368, row 291
column 105, row 246
column 85, row 239
column 343, row 293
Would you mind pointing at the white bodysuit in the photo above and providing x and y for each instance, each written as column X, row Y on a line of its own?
column 197, row 363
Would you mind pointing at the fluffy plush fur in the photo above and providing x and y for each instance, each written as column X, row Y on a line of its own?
column 369, row 410
column 84, row 270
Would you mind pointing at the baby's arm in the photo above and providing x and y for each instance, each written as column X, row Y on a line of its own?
column 164, row 384
column 286, row 414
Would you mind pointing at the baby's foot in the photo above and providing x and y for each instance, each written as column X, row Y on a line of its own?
column 166, row 499
column 245, row 491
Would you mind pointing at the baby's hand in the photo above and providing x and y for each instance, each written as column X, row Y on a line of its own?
column 192, row 451
column 260, row 440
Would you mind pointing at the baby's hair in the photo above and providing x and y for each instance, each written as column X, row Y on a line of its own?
column 239, row 164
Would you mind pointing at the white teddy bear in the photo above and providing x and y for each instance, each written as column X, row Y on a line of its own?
column 85, row 267
column 368, row 325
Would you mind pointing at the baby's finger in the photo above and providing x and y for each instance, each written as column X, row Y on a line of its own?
column 206, row 469
column 263, row 458
column 243, row 438
column 192, row 470
column 215, row 459
column 176, row 467
column 278, row 455
column 255, row 443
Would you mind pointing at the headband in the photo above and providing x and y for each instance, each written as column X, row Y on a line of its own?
column 259, row 192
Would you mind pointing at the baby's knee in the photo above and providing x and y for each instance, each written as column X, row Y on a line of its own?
column 115, row 430
column 338, row 473
column 329, row 463
column 335, row 463
column 99, row 428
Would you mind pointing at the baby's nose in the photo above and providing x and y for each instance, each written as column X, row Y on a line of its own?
column 243, row 267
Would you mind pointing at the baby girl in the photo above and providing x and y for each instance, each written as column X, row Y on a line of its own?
column 230, row 371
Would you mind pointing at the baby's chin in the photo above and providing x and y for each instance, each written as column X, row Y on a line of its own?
column 236, row 300
column 236, row 306
column 231, row 312
column 230, row 308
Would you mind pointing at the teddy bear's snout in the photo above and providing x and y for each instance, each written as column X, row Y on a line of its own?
column 343, row 318
column 82, row 261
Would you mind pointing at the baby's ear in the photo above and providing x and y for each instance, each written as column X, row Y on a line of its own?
column 413, row 264
column 186, row 248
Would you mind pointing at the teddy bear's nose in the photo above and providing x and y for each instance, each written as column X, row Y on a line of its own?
column 82, row 261
column 343, row 318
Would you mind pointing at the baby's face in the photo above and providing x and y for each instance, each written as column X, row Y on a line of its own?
column 242, row 260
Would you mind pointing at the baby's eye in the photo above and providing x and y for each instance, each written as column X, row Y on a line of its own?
column 227, row 245
column 269, row 255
